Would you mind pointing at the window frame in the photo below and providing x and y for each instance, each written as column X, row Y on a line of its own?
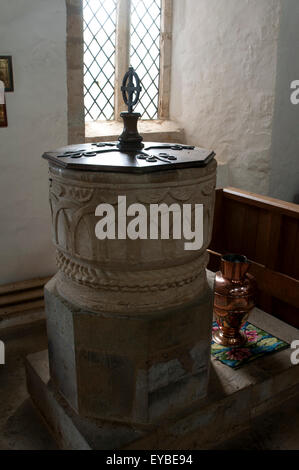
column 75, row 51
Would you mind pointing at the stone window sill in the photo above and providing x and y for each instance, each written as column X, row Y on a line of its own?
column 157, row 131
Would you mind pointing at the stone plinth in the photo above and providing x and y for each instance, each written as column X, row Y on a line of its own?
column 235, row 398
column 138, row 368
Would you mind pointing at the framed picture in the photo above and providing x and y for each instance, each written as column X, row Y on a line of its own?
column 6, row 75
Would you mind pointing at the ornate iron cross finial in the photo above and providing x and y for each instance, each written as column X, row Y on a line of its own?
column 128, row 89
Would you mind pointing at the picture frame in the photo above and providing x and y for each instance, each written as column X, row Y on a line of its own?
column 6, row 72
column 3, row 116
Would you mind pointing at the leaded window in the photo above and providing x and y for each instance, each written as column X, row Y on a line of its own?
column 106, row 25
column 99, row 28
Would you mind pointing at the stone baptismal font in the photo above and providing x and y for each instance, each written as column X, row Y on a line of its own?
column 128, row 319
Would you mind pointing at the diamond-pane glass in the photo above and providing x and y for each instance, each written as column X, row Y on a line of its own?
column 99, row 19
column 145, row 53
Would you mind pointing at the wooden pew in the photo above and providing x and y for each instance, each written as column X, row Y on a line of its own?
column 266, row 230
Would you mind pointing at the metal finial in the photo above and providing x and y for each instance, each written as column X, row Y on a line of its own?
column 128, row 89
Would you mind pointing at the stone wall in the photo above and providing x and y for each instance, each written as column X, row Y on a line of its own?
column 223, row 82
column 34, row 33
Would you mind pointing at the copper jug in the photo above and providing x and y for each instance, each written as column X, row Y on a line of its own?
column 234, row 294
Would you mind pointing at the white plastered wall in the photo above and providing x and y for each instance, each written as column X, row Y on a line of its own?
column 223, row 83
column 33, row 32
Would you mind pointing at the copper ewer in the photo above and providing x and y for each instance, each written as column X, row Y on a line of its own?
column 234, row 294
